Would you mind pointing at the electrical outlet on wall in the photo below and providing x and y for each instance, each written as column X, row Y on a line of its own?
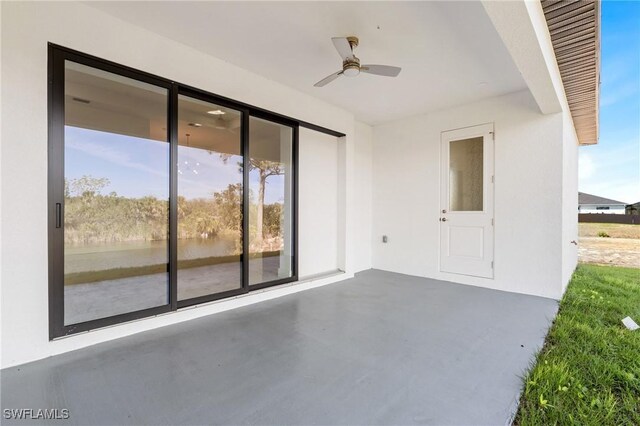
column 384, row 239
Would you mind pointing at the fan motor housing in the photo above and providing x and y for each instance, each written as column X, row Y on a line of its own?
column 351, row 67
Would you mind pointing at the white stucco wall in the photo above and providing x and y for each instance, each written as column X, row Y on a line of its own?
column 26, row 29
column 528, row 194
column 363, row 196
column 318, row 204
column 569, row 199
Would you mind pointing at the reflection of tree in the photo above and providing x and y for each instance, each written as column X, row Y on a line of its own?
column 265, row 169
column 92, row 217
column 272, row 219
column 86, row 185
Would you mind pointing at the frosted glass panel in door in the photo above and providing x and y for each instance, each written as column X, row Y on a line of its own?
column 466, row 174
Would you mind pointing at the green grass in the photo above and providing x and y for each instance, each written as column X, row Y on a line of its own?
column 588, row 372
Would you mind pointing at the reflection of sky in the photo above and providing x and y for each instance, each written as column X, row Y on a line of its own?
column 138, row 167
column 203, row 172
column 273, row 191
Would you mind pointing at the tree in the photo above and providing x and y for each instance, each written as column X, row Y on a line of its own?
column 265, row 169
column 273, row 219
column 86, row 186
column 227, row 205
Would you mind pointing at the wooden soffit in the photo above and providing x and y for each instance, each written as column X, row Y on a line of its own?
column 574, row 26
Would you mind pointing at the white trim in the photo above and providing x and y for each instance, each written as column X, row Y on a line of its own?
column 523, row 29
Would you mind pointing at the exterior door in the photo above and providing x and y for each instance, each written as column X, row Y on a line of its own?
column 466, row 201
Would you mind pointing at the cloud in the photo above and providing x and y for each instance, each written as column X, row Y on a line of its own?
column 586, row 166
column 611, row 172
column 213, row 175
column 619, row 190
column 107, row 153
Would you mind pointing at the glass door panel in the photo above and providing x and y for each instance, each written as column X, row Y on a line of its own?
column 209, row 198
column 116, row 195
column 466, row 175
column 270, row 201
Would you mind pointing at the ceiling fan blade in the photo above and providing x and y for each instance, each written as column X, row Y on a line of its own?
column 385, row 70
column 328, row 79
column 343, row 47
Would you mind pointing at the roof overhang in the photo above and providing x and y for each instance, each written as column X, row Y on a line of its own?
column 574, row 26
column 556, row 46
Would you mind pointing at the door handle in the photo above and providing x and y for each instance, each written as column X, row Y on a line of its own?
column 58, row 215
column 443, row 219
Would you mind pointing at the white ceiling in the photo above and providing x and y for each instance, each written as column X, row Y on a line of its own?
column 449, row 52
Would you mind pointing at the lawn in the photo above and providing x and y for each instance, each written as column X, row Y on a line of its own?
column 609, row 244
column 588, row 371
column 614, row 230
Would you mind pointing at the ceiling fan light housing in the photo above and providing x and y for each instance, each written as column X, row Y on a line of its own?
column 351, row 71
column 351, row 68
column 220, row 124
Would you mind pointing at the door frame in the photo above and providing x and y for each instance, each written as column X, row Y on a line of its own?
column 485, row 130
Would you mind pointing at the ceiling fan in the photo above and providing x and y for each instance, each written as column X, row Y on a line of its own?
column 351, row 64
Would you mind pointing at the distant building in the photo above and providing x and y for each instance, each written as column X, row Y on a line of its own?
column 588, row 203
column 633, row 208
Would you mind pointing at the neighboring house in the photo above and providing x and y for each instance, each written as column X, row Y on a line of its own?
column 633, row 209
column 588, row 203
column 165, row 155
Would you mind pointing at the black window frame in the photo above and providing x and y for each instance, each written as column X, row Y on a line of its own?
column 57, row 55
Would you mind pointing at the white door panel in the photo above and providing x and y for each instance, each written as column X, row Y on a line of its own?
column 466, row 241
column 466, row 201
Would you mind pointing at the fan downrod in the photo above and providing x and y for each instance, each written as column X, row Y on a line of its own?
column 353, row 41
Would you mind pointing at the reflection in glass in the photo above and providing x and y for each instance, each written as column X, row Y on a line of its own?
column 465, row 174
column 116, row 195
column 209, row 199
column 270, row 207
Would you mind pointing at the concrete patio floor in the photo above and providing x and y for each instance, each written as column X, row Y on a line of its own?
column 382, row 348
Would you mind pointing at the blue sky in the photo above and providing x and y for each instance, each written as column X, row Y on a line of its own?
column 611, row 169
column 135, row 167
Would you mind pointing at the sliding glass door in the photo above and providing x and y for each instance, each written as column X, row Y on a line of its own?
column 116, row 195
column 271, row 201
column 210, row 191
column 161, row 196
